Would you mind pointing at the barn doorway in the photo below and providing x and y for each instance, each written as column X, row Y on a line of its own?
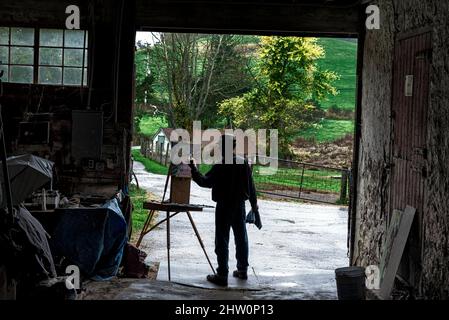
column 306, row 200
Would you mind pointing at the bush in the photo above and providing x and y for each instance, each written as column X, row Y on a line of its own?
column 337, row 113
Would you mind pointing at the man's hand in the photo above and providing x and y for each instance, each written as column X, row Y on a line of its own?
column 255, row 208
column 254, row 216
column 192, row 164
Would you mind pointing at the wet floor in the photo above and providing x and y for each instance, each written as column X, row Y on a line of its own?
column 293, row 256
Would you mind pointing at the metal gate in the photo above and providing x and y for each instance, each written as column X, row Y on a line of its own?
column 409, row 140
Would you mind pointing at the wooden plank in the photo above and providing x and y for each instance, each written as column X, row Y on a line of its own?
column 172, row 207
column 192, row 16
column 397, row 235
column 49, row 13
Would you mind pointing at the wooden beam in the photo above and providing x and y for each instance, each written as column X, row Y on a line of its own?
column 235, row 17
column 35, row 13
column 338, row 18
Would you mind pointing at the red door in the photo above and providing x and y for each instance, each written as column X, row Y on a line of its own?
column 409, row 140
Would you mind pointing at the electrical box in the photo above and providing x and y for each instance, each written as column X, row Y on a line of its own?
column 34, row 133
column 87, row 134
column 181, row 176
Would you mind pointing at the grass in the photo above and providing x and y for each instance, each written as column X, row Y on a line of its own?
column 313, row 180
column 150, row 165
column 328, row 130
column 290, row 179
column 204, row 168
column 150, row 125
column 157, row 168
column 323, row 181
column 341, row 57
column 139, row 215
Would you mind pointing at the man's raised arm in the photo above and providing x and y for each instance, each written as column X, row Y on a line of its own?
column 205, row 181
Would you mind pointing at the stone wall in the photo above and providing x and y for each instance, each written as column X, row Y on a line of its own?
column 399, row 16
column 375, row 143
column 435, row 281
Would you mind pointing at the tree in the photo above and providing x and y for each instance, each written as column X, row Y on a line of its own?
column 144, row 77
column 193, row 72
column 288, row 82
column 144, row 86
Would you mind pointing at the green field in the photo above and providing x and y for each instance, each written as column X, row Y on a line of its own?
column 341, row 57
column 290, row 179
column 325, row 131
column 328, row 130
column 150, row 125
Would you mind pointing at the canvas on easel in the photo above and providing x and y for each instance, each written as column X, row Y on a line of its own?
column 180, row 177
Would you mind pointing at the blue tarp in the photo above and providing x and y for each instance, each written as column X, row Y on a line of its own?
column 92, row 239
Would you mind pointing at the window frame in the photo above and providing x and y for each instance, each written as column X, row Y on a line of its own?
column 9, row 45
column 36, row 65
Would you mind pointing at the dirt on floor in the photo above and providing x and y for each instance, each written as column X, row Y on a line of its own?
column 145, row 289
column 337, row 154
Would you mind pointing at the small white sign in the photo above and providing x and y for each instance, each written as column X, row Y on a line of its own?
column 409, row 85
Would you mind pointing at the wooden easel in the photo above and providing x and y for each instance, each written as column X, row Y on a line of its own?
column 176, row 208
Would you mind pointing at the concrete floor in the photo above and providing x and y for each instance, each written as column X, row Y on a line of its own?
column 294, row 255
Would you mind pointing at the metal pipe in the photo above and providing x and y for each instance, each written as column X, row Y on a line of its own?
column 357, row 138
column 3, row 158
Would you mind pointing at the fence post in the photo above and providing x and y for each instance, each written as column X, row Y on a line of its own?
column 302, row 180
column 166, row 157
column 344, row 186
column 161, row 154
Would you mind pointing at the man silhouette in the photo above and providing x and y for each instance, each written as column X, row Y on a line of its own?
column 232, row 184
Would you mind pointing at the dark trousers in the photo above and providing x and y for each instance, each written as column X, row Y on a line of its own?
column 227, row 216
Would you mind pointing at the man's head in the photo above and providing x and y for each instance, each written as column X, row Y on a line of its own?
column 227, row 145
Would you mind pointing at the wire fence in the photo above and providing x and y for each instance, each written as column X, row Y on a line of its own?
column 304, row 181
column 160, row 156
column 292, row 179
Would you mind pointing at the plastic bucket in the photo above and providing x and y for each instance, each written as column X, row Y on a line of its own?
column 350, row 283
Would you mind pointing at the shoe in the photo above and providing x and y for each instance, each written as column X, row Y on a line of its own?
column 218, row 280
column 240, row 274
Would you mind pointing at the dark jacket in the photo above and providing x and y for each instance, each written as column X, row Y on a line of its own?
column 230, row 183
